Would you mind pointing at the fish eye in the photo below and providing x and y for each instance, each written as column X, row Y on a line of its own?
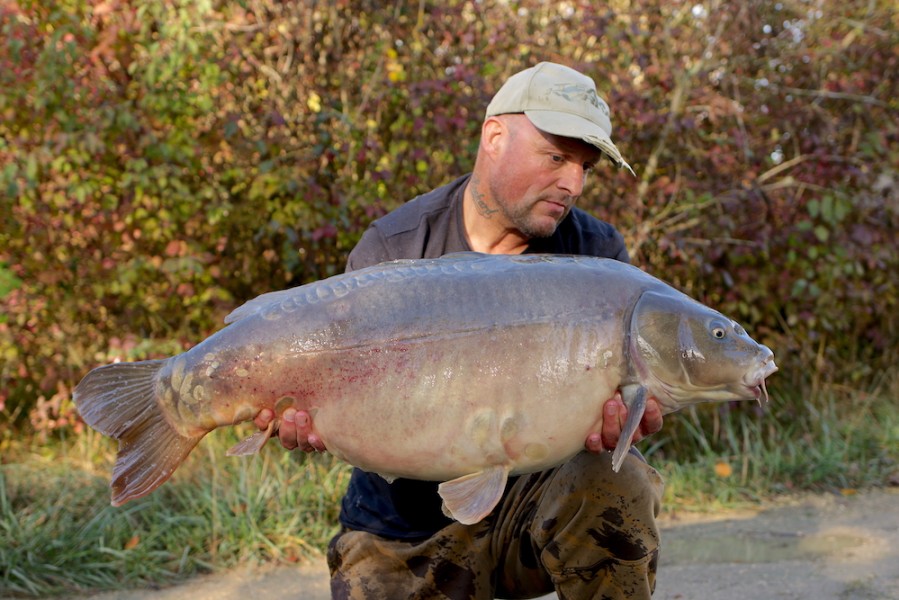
column 719, row 332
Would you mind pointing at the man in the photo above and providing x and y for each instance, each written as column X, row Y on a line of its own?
column 579, row 528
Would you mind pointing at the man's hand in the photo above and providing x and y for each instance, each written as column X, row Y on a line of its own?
column 614, row 414
column 294, row 431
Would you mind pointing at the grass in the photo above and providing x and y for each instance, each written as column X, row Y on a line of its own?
column 835, row 441
column 59, row 535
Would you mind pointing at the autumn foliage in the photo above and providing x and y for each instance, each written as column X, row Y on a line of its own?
column 163, row 161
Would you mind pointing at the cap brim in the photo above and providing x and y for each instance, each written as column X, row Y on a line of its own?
column 573, row 126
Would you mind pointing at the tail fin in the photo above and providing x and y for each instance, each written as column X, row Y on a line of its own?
column 119, row 400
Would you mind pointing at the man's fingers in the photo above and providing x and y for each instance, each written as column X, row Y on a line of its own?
column 264, row 417
column 302, row 420
column 614, row 414
column 294, row 429
column 594, row 443
column 316, row 443
column 303, row 431
column 652, row 418
column 306, row 439
column 287, row 432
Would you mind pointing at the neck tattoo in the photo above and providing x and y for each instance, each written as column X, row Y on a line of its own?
column 480, row 204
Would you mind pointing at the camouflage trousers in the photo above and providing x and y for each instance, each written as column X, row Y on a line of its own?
column 579, row 529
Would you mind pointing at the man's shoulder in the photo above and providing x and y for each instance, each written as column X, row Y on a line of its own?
column 426, row 207
column 426, row 226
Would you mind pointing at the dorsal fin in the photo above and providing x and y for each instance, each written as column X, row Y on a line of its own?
column 251, row 307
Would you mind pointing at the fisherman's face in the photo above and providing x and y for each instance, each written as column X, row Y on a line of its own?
column 540, row 176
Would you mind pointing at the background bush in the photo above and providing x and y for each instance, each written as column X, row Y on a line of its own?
column 162, row 162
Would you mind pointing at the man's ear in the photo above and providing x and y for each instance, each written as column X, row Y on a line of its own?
column 494, row 133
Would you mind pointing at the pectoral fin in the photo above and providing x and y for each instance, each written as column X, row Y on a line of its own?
column 254, row 443
column 634, row 397
column 470, row 498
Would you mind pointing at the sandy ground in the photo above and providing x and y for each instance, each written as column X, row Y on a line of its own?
column 816, row 547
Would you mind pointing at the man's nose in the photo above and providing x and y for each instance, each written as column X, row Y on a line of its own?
column 572, row 179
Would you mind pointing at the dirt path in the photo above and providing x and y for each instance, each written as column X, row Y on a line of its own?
column 820, row 547
column 817, row 547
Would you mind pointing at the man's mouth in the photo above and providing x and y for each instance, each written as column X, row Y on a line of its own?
column 557, row 205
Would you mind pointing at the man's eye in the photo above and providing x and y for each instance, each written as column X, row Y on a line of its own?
column 557, row 158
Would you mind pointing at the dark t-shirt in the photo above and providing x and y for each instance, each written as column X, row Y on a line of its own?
column 430, row 226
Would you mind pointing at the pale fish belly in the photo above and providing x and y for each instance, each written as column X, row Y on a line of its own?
column 441, row 407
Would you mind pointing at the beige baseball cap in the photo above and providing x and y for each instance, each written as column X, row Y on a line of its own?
column 559, row 100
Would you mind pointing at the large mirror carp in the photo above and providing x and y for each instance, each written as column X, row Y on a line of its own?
column 462, row 369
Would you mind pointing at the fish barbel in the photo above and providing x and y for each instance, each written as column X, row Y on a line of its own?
column 462, row 369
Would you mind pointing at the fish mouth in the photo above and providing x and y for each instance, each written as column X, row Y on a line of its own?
column 757, row 385
column 758, row 391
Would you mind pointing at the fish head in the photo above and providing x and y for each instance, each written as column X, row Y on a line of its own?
column 687, row 353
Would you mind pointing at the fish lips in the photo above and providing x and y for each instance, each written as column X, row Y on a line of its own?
column 756, row 381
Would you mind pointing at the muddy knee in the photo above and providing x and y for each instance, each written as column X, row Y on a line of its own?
column 595, row 530
column 597, row 512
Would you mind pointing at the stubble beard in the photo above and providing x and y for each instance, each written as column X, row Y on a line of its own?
column 522, row 218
